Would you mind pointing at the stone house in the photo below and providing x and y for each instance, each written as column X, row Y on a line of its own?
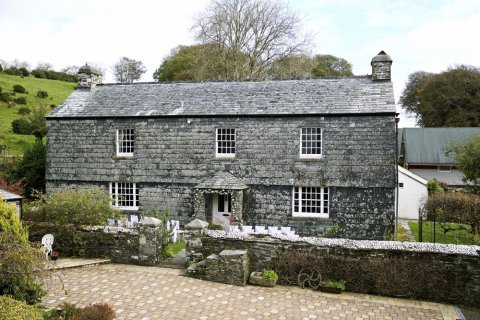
column 302, row 153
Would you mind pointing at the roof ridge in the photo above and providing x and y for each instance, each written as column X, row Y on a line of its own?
column 235, row 81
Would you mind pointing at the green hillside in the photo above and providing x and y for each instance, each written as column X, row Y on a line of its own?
column 57, row 92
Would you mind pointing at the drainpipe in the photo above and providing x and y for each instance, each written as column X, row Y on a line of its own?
column 397, row 119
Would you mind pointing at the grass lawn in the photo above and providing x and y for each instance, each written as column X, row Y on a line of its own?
column 57, row 92
column 453, row 237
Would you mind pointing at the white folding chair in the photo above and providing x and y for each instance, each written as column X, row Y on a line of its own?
column 47, row 243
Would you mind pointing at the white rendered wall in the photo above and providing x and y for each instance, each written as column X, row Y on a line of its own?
column 410, row 196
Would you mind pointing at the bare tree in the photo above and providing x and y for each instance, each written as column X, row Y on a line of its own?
column 128, row 70
column 44, row 66
column 261, row 30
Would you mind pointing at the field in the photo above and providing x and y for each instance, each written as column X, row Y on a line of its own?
column 57, row 92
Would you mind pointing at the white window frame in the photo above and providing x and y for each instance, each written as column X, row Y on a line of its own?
column 442, row 169
column 309, row 155
column 114, row 188
column 120, row 133
column 218, row 131
column 298, row 209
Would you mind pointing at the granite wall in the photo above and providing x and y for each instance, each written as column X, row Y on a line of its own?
column 174, row 154
column 444, row 273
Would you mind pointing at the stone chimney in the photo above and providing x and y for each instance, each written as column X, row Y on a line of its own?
column 88, row 77
column 382, row 66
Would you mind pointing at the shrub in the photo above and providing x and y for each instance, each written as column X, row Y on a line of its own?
column 37, row 73
column 457, row 207
column 24, row 72
column 1, row 89
column 5, row 97
column 434, row 186
column 78, row 207
column 24, row 110
column 13, row 71
column 1, row 68
column 98, row 311
column 21, row 126
column 11, row 309
column 20, row 100
column 32, row 167
column 68, row 311
column 20, row 262
column 270, row 275
column 42, row 94
column 18, row 88
column 53, row 106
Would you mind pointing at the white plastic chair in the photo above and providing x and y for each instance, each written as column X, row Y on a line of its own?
column 285, row 230
column 234, row 229
column 260, row 230
column 247, row 229
column 175, row 225
column 47, row 243
column 273, row 230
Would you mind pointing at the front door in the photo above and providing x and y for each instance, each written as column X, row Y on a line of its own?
column 222, row 210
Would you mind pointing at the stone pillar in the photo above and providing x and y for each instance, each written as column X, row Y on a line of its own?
column 150, row 241
column 193, row 240
column 199, row 206
column 238, row 206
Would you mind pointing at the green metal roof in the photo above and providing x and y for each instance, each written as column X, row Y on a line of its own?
column 427, row 145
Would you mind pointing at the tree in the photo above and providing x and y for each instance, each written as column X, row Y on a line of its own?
column 292, row 67
column 31, row 168
column 196, row 62
column 327, row 65
column 128, row 70
column 448, row 99
column 260, row 30
column 19, row 262
column 467, row 156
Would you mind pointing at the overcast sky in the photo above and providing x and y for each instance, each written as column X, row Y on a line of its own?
column 428, row 35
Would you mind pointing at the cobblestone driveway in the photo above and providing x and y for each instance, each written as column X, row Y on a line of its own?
column 159, row 293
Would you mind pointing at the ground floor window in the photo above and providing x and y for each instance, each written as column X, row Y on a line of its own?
column 124, row 195
column 310, row 202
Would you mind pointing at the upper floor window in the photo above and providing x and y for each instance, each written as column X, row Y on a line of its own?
column 125, row 142
column 225, row 142
column 124, row 195
column 310, row 202
column 310, row 142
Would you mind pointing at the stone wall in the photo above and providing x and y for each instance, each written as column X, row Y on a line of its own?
column 172, row 155
column 139, row 245
column 444, row 273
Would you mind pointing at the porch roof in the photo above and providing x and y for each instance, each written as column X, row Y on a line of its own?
column 222, row 181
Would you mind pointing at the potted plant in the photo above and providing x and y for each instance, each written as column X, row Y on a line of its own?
column 54, row 255
column 333, row 286
column 267, row 278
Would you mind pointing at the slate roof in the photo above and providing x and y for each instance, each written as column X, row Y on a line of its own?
column 222, row 180
column 343, row 95
column 7, row 196
column 427, row 145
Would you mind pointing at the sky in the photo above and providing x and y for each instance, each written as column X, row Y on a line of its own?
column 419, row 35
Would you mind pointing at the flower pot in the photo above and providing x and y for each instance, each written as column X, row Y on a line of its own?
column 257, row 279
column 54, row 255
column 331, row 290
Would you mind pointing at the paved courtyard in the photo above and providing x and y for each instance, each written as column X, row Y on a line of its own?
column 161, row 293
